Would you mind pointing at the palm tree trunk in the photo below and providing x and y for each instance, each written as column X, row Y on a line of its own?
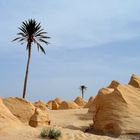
column 26, row 74
column 82, row 94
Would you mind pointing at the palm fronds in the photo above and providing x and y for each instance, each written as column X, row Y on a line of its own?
column 31, row 32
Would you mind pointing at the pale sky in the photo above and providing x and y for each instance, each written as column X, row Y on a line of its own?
column 92, row 42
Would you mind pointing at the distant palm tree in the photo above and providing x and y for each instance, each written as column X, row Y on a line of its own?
column 31, row 32
column 83, row 88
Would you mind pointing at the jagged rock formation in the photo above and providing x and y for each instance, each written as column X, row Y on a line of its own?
column 79, row 101
column 58, row 100
column 113, row 84
column 134, row 81
column 39, row 118
column 55, row 105
column 90, row 102
column 68, row 105
column 40, row 104
column 117, row 108
column 7, row 119
column 49, row 104
column 20, row 108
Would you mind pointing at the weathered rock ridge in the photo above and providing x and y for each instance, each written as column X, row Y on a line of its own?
column 117, row 108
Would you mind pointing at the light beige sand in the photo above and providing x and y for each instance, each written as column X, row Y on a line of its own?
column 70, row 122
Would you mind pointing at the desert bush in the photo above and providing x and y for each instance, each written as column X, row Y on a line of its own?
column 44, row 133
column 51, row 133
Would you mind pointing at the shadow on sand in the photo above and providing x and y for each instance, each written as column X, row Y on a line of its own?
column 81, row 128
column 92, row 130
column 87, row 116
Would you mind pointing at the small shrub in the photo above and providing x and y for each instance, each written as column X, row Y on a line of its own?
column 44, row 133
column 54, row 133
column 51, row 133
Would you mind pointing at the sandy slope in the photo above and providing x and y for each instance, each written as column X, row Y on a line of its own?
column 70, row 122
column 73, row 119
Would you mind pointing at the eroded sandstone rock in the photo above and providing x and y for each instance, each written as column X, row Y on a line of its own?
column 39, row 118
column 40, row 104
column 79, row 101
column 68, row 105
column 90, row 102
column 19, row 107
column 117, row 108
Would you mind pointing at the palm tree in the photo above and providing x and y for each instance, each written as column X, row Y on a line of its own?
column 83, row 88
column 31, row 33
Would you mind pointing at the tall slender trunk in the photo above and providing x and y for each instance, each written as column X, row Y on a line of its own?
column 26, row 74
column 82, row 93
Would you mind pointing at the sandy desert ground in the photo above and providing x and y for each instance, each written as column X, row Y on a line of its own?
column 72, row 124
